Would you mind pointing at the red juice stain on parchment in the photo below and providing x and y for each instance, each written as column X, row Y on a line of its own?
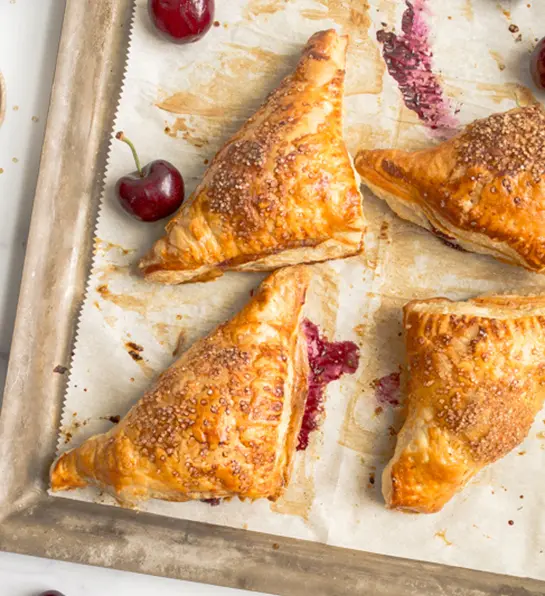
column 328, row 361
column 409, row 61
column 388, row 390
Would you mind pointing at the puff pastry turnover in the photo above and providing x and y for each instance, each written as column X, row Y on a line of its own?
column 483, row 190
column 282, row 191
column 476, row 382
column 222, row 421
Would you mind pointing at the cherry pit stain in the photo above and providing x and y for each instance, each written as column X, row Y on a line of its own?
column 328, row 361
column 408, row 58
column 388, row 390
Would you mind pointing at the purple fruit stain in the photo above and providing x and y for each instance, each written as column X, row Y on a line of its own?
column 388, row 390
column 409, row 61
column 328, row 361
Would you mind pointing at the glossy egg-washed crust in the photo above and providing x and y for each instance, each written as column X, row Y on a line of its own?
column 283, row 189
column 483, row 190
column 222, row 421
column 476, row 380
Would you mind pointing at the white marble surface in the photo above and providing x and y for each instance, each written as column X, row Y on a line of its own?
column 29, row 36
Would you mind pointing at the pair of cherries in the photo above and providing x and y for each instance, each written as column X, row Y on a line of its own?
column 156, row 190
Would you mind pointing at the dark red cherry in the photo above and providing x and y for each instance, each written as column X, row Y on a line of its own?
column 152, row 192
column 51, row 593
column 182, row 21
column 537, row 64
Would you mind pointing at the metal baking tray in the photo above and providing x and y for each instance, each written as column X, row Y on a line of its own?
column 88, row 80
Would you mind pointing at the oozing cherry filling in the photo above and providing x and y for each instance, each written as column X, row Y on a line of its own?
column 328, row 361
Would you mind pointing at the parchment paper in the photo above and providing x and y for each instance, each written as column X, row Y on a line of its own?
column 181, row 104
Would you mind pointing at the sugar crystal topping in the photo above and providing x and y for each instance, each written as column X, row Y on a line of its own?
column 508, row 143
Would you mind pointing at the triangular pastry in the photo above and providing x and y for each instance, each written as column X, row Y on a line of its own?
column 476, row 380
column 222, row 421
column 483, row 190
column 282, row 190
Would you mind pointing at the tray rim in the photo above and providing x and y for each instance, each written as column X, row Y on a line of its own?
column 94, row 40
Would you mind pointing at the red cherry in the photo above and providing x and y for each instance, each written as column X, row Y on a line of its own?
column 51, row 593
column 182, row 21
column 537, row 64
column 152, row 192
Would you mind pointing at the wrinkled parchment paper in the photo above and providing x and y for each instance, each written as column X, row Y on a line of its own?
column 181, row 104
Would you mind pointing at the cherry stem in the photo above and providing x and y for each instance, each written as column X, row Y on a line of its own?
column 121, row 137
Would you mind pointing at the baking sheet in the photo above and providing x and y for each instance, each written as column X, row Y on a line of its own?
column 181, row 104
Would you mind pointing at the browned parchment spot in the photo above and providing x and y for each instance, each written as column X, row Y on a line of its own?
column 70, row 430
column 372, row 258
column 105, row 246
column 126, row 302
column 360, row 330
column 180, row 127
column 497, row 92
column 300, row 493
column 406, row 124
column 161, row 331
column 60, row 369
column 171, row 337
column 330, row 305
column 366, row 136
column 180, row 344
column 187, row 102
column 255, row 8
column 240, row 82
column 506, row 13
column 385, row 345
column 498, row 58
column 515, row 91
column 109, row 270
column 467, row 10
column 442, row 534
column 134, row 350
column 352, row 435
column 110, row 320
